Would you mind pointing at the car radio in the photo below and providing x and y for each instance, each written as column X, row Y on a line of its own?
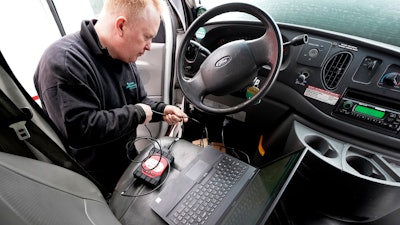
column 382, row 117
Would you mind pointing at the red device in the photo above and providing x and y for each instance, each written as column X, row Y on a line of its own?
column 152, row 168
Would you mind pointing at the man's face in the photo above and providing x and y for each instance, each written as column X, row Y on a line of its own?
column 138, row 36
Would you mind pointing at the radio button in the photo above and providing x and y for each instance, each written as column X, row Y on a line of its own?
column 347, row 105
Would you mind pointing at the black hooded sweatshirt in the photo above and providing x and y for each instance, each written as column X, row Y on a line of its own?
column 91, row 98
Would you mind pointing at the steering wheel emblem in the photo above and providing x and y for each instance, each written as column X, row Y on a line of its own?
column 223, row 61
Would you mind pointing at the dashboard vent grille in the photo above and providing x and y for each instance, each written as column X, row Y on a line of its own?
column 335, row 68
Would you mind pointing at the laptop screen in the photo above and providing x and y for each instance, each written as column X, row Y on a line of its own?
column 259, row 198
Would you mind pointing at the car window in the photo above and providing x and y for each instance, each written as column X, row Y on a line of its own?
column 375, row 20
column 28, row 27
column 71, row 16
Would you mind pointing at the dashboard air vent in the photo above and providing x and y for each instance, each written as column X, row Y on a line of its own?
column 335, row 68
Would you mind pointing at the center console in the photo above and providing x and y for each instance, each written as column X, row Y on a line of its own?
column 340, row 182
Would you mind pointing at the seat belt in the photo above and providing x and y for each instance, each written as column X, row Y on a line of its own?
column 27, row 131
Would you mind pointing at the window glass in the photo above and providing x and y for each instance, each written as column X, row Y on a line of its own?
column 72, row 12
column 375, row 20
column 27, row 28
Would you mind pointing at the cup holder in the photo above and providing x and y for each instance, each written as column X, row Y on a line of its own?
column 364, row 167
column 321, row 146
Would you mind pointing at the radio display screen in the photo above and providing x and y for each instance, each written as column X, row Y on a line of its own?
column 369, row 111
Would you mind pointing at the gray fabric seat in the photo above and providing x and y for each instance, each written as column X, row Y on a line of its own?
column 35, row 192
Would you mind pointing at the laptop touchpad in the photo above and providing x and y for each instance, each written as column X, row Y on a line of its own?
column 198, row 171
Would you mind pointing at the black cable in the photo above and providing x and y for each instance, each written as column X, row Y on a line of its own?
column 205, row 131
column 233, row 150
column 236, row 151
column 148, row 130
column 183, row 117
column 130, row 146
column 172, row 143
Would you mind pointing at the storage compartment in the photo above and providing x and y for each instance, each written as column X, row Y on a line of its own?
column 341, row 195
column 343, row 182
column 371, row 165
column 320, row 145
column 364, row 167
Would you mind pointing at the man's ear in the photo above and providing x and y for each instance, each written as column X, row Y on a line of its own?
column 120, row 25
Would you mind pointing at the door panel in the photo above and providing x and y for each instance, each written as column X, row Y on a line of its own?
column 155, row 68
column 150, row 66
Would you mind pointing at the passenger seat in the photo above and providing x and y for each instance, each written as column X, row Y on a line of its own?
column 35, row 192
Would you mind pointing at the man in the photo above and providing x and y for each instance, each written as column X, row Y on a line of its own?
column 89, row 86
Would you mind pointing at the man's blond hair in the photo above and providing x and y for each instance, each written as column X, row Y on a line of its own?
column 130, row 7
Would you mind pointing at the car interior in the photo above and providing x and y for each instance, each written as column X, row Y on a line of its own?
column 256, row 90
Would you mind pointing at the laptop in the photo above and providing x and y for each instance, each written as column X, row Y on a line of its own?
column 216, row 188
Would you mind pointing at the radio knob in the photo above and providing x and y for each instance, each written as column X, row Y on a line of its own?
column 347, row 105
column 313, row 52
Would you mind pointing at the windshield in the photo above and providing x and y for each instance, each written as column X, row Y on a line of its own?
column 371, row 19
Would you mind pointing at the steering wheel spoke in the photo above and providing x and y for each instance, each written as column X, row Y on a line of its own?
column 265, row 49
column 194, row 87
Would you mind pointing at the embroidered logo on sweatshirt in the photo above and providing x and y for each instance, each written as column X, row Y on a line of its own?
column 131, row 85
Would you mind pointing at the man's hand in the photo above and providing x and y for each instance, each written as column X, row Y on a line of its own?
column 147, row 110
column 173, row 115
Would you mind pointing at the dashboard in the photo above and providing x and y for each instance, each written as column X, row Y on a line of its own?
column 346, row 83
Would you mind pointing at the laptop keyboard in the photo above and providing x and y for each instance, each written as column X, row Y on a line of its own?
column 203, row 199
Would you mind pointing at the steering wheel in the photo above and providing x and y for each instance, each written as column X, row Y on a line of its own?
column 234, row 65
